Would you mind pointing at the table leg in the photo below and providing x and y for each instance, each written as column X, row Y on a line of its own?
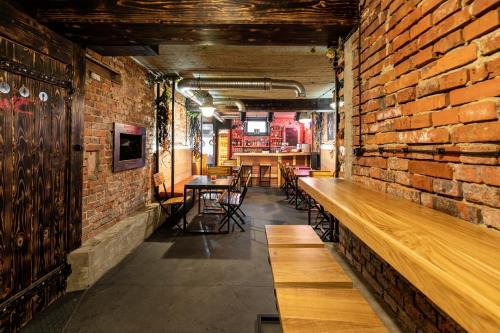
column 184, row 211
column 296, row 193
column 309, row 210
column 199, row 201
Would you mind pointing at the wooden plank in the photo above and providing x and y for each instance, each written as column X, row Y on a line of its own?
column 6, row 185
column 454, row 263
column 310, row 310
column 127, row 26
column 292, row 236
column 307, row 268
column 74, row 233
column 196, row 11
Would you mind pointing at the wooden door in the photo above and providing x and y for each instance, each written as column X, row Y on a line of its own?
column 34, row 176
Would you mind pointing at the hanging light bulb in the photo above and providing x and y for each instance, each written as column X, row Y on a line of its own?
column 305, row 118
column 207, row 108
column 341, row 104
column 207, row 111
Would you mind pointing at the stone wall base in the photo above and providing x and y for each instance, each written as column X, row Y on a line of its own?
column 414, row 312
column 99, row 254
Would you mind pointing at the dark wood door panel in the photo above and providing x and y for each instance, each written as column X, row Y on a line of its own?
column 34, row 188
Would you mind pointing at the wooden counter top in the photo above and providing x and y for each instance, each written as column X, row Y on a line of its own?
column 271, row 154
column 312, row 310
column 307, row 268
column 454, row 263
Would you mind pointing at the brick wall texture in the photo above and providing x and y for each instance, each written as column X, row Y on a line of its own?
column 413, row 310
column 430, row 79
column 109, row 197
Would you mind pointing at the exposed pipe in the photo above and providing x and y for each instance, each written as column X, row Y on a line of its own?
column 233, row 102
column 187, row 85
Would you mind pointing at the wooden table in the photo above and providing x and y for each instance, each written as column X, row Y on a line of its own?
column 292, row 236
column 204, row 183
column 454, row 263
column 312, row 310
column 307, row 268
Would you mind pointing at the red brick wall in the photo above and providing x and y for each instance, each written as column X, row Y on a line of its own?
column 413, row 310
column 108, row 196
column 430, row 79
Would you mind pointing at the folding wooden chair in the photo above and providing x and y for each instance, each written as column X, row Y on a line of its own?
column 171, row 206
column 231, row 203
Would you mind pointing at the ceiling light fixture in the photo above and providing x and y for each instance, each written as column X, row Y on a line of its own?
column 207, row 111
column 207, row 108
column 341, row 104
column 305, row 118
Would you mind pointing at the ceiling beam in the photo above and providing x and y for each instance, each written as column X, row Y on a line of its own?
column 277, row 105
column 197, row 12
column 96, row 23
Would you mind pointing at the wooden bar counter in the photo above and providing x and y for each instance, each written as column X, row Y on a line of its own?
column 255, row 159
column 454, row 263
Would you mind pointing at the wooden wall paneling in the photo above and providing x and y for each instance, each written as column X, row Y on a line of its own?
column 59, row 156
column 76, row 150
column 6, row 216
column 22, row 203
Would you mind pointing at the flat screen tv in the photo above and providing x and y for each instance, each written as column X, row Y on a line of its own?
column 256, row 126
column 129, row 146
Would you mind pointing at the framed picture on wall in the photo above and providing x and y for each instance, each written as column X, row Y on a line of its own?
column 330, row 126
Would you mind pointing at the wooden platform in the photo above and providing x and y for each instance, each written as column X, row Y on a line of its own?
column 454, row 263
column 292, row 236
column 307, row 268
column 311, row 310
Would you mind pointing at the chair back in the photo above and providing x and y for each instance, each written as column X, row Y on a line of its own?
column 245, row 187
column 159, row 180
column 320, row 173
column 221, row 171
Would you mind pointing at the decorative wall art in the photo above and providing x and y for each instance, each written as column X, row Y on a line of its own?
column 19, row 101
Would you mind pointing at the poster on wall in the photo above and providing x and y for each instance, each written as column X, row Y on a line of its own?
column 331, row 126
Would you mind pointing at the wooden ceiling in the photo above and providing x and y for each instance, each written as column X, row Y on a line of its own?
column 127, row 23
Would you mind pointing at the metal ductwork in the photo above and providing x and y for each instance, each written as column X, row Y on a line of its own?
column 185, row 86
column 232, row 102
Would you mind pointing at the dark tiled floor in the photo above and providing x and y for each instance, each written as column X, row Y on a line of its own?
column 186, row 283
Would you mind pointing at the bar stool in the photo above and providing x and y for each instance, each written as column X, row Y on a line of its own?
column 263, row 168
column 245, row 168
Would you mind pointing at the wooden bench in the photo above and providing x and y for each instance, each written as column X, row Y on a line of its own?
column 307, row 268
column 292, row 236
column 454, row 263
column 313, row 293
column 312, row 310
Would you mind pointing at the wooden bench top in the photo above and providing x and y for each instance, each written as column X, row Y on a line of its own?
column 454, row 263
column 292, row 236
column 307, row 268
column 311, row 310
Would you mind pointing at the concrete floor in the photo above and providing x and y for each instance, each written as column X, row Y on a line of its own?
column 194, row 283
